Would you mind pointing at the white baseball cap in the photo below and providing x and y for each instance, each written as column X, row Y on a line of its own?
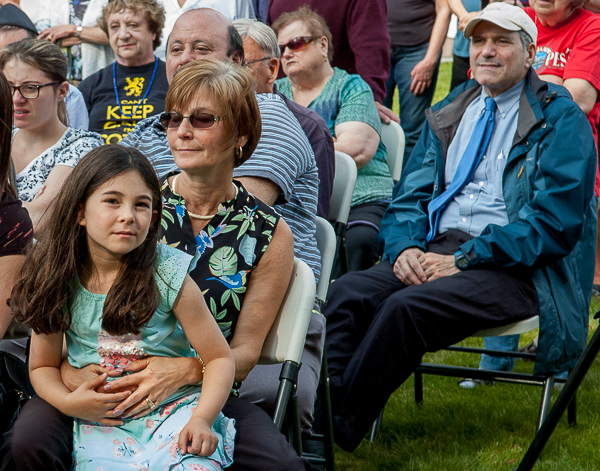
column 509, row 17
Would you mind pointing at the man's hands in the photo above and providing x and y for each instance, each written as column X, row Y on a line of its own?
column 414, row 267
column 385, row 114
column 86, row 403
column 66, row 34
column 197, row 438
column 421, row 75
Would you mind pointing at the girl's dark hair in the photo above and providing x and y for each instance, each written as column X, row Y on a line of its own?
column 42, row 55
column 6, row 120
column 43, row 296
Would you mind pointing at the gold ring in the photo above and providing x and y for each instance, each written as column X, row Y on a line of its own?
column 49, row 38
column 151, row 404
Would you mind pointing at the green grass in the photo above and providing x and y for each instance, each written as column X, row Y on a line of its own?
column 486, row 429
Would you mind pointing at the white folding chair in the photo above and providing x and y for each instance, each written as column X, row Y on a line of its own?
column 341, row 198
column 519, row 327
column 325, row 236
column 285, row 343
column 326, row 243
column 393, row 139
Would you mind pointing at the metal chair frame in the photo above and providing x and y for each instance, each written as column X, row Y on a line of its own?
column 285, row 343
column 547, row 382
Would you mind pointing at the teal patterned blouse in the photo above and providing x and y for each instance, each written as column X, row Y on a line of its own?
column 225, row 252
column 344, row 98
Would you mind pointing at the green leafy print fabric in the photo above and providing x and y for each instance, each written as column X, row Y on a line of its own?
column 225, row 252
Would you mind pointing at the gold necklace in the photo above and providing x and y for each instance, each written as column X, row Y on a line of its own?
column 192, row 215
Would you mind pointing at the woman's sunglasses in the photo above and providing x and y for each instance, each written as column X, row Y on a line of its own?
column 297, row 44
column 173, row 119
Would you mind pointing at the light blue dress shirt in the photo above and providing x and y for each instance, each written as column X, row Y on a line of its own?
column 481, row 201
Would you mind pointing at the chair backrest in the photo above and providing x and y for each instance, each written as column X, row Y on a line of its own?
column 285, row 340
column 393, row 139
column 325, row 236
column 343, row 187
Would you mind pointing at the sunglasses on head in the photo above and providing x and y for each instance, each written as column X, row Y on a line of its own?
column 297, row 44
column 173, row 120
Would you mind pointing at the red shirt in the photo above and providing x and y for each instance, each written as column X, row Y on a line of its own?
column 571, row 49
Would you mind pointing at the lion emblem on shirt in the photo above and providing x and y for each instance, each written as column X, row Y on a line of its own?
column 134, row 86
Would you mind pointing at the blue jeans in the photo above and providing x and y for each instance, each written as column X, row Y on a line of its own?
column 507, row 343
column 412, row 108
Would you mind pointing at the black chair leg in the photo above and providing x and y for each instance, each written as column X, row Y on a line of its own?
column 376, row 427
column 562, row 402
column 546, row 399
column 327, row 415
column 287, row 381
column 293, row 419
column 418, row 387
column 572, row 411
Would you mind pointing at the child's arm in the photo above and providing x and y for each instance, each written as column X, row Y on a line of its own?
column 205, row 336
column 84, row 402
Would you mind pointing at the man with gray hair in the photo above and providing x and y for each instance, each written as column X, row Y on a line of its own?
column 261, row 53
column 492, row 223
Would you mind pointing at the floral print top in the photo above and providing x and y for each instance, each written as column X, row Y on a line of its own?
column 230, row 246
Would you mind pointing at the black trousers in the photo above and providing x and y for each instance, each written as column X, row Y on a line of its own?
column 378, row 329
column 361, row 237
column 42, row 439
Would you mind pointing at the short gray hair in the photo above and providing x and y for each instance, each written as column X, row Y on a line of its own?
column 262, row 35
column 525, row 39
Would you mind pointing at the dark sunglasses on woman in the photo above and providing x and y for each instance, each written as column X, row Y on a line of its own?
column 197, row 120
column 297, row 44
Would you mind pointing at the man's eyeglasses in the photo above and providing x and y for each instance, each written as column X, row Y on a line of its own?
column 173, row 120
column 247, row 63
column 297, row 44
column 30, row 91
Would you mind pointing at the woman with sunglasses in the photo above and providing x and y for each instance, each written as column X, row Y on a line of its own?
column 346, row 104
column 44, row 149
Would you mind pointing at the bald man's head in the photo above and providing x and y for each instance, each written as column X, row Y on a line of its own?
column 202, row 33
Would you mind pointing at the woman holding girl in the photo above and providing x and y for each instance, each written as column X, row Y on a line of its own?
column 44, row 149
column 119, row 298
column 242, row 262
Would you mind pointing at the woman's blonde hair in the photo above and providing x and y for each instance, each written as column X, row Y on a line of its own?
column 151, row 9
column 231, row 87
column 42, row 55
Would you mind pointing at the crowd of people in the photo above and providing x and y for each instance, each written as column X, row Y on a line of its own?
column 162, row 162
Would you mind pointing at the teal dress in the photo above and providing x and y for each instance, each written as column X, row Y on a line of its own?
column 150, row 442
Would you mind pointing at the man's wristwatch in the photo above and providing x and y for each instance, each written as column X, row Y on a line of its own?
column 460, row 260
column 79, row 29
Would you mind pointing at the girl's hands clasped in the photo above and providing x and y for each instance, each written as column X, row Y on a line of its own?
column 86, row 403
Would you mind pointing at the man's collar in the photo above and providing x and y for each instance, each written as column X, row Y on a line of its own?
column 506, row 99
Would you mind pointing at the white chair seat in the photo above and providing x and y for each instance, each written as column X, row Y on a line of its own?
column 520, row 327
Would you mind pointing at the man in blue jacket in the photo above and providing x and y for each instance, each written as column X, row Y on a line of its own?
column 493, row 222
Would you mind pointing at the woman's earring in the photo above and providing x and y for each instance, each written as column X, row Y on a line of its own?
column 240, row 152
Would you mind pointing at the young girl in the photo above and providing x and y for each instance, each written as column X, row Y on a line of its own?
column 96, row 275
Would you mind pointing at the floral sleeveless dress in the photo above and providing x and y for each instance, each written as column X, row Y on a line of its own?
column 225, row 252
column 150, row 442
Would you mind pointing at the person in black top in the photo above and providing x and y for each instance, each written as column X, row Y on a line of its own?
column 134, row 87
column 16, row 230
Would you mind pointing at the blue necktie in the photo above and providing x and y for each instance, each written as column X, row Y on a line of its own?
column 476, row 147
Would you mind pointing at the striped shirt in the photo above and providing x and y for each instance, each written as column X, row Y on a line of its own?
column 283, row 156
